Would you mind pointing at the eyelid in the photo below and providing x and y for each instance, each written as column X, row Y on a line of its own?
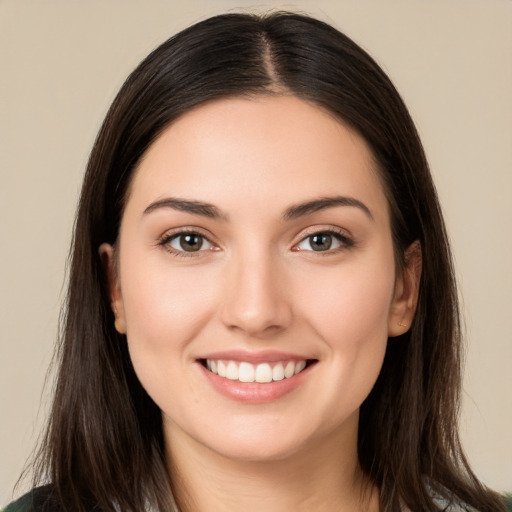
column 163, row 240
column 342, row 235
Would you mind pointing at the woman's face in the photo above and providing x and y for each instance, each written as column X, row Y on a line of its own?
column 255, row 279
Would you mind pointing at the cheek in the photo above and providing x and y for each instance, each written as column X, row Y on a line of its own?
column 348, row 311
column 350, row 305
column 165, row 309
column 159, row 299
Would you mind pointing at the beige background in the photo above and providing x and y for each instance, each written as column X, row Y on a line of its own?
column 61, row 63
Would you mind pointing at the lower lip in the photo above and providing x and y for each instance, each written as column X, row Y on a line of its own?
column 254, row 392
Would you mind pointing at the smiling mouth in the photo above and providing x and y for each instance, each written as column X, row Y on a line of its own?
column 261, row 373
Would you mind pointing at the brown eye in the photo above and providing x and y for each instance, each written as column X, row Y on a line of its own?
column 189, row 242
column 324, row 241
column 320, row 242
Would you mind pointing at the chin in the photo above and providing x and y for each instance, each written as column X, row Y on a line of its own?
column 267, row 439
column 264, row 450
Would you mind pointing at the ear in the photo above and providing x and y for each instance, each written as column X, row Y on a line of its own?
column 406, row 293
column 109, row 263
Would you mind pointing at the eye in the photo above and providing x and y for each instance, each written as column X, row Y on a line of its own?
column 323, row 241
column 188, row 242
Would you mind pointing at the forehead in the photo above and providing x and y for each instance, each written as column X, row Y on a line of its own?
column 271, row 148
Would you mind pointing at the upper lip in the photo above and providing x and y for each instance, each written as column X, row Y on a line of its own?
column 266, row 356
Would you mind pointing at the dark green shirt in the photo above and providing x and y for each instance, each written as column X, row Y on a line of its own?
column 41, row 500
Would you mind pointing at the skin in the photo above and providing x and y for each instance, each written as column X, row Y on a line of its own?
column 257, row 285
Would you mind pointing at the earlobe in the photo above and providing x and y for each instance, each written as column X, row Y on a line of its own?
column 407, row 288
column 109, row 264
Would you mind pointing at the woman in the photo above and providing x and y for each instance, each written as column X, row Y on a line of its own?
column 262, row 312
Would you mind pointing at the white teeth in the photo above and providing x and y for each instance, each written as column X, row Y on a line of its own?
column 232, row 371
column 300, row 366
column 246, row 372
column 278, row 372
column 261, row 373
column 221, row 369
column 289, row 371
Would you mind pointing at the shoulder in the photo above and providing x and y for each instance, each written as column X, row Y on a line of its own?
column 39, row 499
column 446, row 501
column 507, row 501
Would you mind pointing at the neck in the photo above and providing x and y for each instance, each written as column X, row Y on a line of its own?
column 317, row 477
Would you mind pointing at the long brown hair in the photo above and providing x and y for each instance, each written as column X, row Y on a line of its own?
column 104, row 443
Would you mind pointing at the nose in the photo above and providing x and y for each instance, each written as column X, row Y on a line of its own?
column 256, row 299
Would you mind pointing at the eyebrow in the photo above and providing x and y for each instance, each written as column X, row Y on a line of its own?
column 322, row 203
column 292, row 212
column 187, row 205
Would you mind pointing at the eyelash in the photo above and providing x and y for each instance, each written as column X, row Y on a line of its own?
column 346, row 242
column 167, row 238
column 341, row 236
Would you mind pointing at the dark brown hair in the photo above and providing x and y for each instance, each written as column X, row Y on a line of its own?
column 104, row 443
